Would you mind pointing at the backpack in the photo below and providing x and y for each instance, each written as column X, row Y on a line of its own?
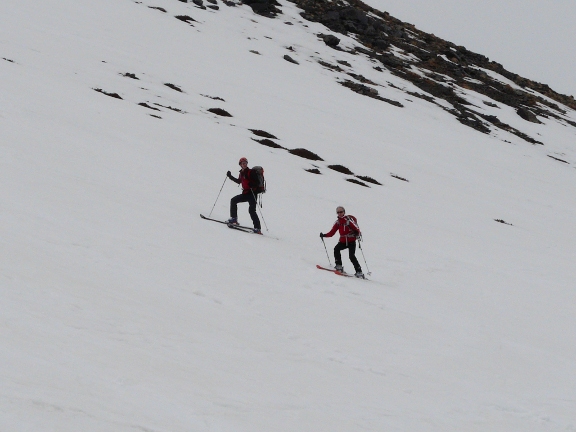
column 348, row 217
column 257, row 181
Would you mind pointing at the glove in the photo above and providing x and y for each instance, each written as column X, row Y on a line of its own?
column 322, row 235
column 229, row 174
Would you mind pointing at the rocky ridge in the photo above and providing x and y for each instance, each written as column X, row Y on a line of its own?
column 437, row 67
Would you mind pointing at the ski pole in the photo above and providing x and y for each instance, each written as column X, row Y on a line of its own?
column 323, row 242
column 225, row 178
column 258, row 208
column 360, row 245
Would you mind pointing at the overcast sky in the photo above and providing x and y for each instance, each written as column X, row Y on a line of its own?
column 533, row 38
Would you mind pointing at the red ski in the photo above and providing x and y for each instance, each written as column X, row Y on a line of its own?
column 339, row 273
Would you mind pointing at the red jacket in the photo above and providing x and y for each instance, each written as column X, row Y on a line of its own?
column 243, row 179
column 347, row 227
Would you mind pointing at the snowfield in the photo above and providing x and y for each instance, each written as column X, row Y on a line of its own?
column 122, row 310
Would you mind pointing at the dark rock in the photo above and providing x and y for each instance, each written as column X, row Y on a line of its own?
column 198, row 2
column 558, row 159
column 341, row 169
column 114, row 95
column 357, row 182
column 266, row 8
column 268, row 143
column 262, row 133
column 130, row 75
column 331, row 40
column 307, row 154
column 290, row 59
column 173, row 87
column 527, row 115
column 185, row 18
column 145, row 105
column 398, row 177
column 220, row 112
column 369, row 180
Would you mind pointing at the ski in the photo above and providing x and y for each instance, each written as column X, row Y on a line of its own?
column 339, row 273
column 236, row 227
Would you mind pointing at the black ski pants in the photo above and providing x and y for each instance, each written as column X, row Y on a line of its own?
column 250, row 198
column 351, row 246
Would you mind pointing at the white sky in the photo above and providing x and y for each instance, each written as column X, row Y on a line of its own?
column 532, row 38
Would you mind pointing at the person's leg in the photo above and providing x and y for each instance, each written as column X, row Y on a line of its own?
column 352, row 256
column 338, row 253
column 252, row 210
column 234, row 205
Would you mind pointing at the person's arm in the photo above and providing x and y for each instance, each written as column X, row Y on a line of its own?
column 231, row 177
column 332, row 231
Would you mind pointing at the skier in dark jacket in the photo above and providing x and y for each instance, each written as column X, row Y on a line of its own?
column 349, row 231
column 248, row 195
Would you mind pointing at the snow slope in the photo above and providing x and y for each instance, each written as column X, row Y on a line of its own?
column 122, row 310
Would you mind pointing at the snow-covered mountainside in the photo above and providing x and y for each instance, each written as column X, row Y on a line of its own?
column 122, row 310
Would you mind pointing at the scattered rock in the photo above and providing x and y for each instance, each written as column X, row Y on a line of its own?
column 503, row 222
column 174, row 87
column 330, row 66
column 528, row 115
column 213, row 97
column 369, row 180
column 398, row 177
column 266, row 8
column 357, row 182
column 220, row 112
column 255, row 52
column 145, row 105
column 490, row 104
column 268, row 143
column 290, row 59
column 558, row 159
column 185, row 18
column 158, row 8
column 171, row 108
column 130, row 75
column 114, row 95
column 330, row 40
column 313, row 170
column 341, row 169
column 262, row 133
column 368, row 91
column 306, row 154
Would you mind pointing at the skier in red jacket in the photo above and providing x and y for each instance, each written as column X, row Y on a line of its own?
column 349, row 231
column 248, row 194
